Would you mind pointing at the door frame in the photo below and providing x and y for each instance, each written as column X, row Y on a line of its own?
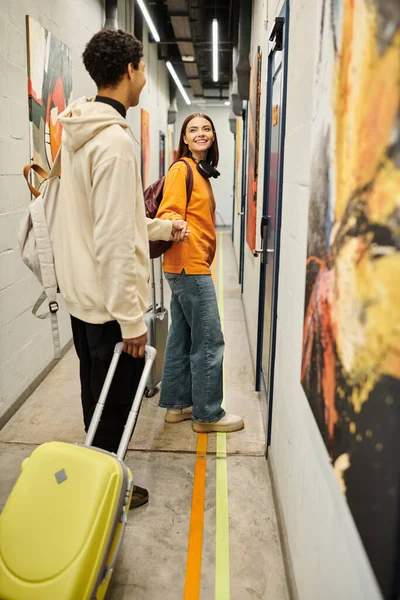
column 234, row 187
column 242, row 214
column 279, row 43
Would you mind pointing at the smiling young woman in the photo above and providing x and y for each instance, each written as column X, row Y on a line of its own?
column 192, row 383
column 198, row 139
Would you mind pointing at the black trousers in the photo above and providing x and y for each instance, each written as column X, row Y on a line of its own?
column 94, row 345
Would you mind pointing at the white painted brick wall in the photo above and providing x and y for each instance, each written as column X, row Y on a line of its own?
column 328, row 559
column 25, row 342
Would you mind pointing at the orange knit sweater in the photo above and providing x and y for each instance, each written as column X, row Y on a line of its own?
column 197, row 253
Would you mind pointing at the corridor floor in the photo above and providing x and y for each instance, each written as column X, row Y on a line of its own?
column 209, row 530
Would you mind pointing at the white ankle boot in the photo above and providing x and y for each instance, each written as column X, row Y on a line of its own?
column 227, row 424
column 177, row 415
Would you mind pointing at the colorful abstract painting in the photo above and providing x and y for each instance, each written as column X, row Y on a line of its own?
column 161, row 169
column 351, row 344
column 254, row 136
column 49, row 90
column 145, row 146
column 239, row 134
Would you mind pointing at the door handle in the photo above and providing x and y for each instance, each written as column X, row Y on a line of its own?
column 265, row 221
column 240, row 214
column 268, row 250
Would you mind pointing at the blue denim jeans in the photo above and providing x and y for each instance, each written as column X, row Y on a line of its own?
column 192, row 373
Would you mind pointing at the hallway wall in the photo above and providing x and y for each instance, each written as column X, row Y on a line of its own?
column 251, row 263
column 26, row 349
column 327, row 558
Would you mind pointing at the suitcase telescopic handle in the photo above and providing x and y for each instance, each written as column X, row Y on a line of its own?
column 161, row 286
column 150, row 356
column 153, row 288
column 132, row 417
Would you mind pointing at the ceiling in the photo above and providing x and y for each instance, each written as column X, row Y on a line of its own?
column 185, row 28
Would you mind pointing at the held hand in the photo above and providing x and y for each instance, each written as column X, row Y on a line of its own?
column 180, row 231
column 135, row 346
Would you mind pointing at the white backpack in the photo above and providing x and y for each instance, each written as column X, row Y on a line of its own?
column 35, row 240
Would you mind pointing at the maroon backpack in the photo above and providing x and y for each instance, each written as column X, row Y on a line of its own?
column 152, row 199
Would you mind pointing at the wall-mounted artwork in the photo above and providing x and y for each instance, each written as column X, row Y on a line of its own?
column 351, row 344
column 254, row 137
column 161, row 168
column 49, row 90
column 145, row 146
column 239, row 128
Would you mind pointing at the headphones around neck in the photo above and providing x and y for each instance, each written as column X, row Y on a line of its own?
column 205, row 169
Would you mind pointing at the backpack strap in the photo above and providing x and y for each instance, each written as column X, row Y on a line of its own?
column 189, row 180
column 52, row 314
column 41, row 172
column 55, row 170
column 38, row 220
column 49, row 281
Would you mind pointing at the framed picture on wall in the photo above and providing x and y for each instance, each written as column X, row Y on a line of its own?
column 239, row 129
column 162, row 155
column 49, row 91
column 351, row 342
column 254, row 137
column 145, row 146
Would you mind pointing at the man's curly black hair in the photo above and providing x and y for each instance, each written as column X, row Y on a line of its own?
column 108, row 54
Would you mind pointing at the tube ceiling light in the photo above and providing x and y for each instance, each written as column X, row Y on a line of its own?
column 215, row 50
column 149, row 21
column 177, row 81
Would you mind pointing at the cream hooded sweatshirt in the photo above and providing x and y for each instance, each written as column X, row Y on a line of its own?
column 102, row 235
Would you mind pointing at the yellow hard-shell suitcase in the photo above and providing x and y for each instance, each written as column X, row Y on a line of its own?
column 63, row 524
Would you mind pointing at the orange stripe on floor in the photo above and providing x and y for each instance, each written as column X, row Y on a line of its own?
column 195, row 544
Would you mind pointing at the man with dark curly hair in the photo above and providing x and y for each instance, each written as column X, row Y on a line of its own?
column 102, row 233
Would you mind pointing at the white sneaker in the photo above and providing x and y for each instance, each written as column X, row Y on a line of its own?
column 177, row 415
column 227, row 424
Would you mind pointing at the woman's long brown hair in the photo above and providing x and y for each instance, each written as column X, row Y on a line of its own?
column 212, row 152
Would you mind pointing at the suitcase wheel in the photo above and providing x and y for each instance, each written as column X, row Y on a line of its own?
column 149, row 393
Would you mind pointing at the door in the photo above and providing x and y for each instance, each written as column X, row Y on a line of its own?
column 242, row 212
column 271, row 212
column 234, row 188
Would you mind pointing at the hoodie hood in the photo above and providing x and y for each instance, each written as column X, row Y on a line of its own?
column 84, row 118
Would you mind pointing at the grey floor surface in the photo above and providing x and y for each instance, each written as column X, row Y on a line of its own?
column 152, row 563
